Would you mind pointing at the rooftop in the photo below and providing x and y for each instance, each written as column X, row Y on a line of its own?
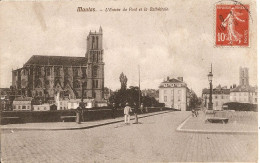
column 244, row 88
column 23, row 99
column 56, row 60
column 172, row 81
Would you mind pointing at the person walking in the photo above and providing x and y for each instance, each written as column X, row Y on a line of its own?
column 127, row 111
column 113, row 111
column 78, row 115
column 142, row 108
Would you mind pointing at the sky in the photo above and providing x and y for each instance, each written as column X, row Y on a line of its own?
column 178, row 42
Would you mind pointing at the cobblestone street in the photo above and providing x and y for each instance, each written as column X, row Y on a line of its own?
column 155, row 139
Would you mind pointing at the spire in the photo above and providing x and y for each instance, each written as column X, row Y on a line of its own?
column 100, row 29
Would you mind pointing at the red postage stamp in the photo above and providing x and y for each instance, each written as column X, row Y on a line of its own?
column 232, row 25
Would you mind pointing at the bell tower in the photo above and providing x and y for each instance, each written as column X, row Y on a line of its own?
column 243, row 76
column 94, row 57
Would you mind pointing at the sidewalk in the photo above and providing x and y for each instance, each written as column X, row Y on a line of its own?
column 198, row 125
column 72, row 125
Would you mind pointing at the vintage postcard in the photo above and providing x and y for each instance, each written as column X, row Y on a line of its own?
column 128, row 81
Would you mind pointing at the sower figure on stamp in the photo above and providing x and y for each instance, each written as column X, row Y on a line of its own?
column 127, row 111
column 229, row 21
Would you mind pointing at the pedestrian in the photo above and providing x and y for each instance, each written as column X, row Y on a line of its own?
column 78, row 115
column 127, row 111
column 193, row 111
column 142, row 108
column 113, row 111
column 82, row 107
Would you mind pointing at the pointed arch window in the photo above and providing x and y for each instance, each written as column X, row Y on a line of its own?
column 57, row 71
column 85, row 84
column 76, row 84
column 95, row 71
column 66, row 71
column 38, row 84
column 48, row 71
column 76, row 72
column 93, row 42
column 97, row 42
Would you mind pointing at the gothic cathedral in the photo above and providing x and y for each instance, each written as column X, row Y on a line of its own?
column 72, row 77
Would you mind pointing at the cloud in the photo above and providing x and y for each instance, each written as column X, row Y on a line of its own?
column 179, row 42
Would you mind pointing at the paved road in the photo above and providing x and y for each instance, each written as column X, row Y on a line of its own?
column 153, row 140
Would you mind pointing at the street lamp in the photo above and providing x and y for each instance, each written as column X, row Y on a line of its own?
column 210, row 77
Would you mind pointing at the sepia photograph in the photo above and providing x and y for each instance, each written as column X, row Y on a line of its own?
column 128, row 81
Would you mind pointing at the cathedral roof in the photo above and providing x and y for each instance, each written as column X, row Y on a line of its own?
column 57, row 60
column 244, row 88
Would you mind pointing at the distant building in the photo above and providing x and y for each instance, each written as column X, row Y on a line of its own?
column 220, row 95
column 42, row 107
column 5, row 99
column 74, row 103
column 107, row 93
column 62, row 105
column 151, row 93
column 173, row 93
column 243, row 76
column 243, row 93
column 66, row 103
column 22, row 104
column 101, row 103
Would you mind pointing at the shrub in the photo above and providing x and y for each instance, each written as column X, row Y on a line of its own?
column 241, row 106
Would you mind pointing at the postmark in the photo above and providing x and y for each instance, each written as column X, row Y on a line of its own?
column 232, row 25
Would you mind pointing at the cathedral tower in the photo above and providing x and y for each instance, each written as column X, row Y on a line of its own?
column 243, row 76
column 94, row 57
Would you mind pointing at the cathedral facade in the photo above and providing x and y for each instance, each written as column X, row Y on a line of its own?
column 72, row 77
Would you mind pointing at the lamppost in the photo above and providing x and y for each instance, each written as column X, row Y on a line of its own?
column 210, row 76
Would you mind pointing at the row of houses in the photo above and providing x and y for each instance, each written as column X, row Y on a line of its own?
column 25, row 104
column 11, row 101
column 243, row 93
column 222, row 95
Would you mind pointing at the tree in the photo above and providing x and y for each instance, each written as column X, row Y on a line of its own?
column 149, row 101
column 123, row 81
column 131, row 95
column 194, row 100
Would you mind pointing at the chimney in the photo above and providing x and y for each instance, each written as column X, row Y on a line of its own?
column 234, row 85
column 180, row 78
column 168, row 78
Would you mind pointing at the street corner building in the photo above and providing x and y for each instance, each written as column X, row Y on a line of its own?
column 174, row 93
column 73, row 77
column 243, row 93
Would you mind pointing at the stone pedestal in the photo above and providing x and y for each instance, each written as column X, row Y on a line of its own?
column 210, row 113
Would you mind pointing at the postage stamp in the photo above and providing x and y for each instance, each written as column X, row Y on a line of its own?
column 232, row 25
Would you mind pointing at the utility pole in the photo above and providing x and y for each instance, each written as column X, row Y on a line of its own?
column 139, row 87
column 210, row 77
column 136, row 117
